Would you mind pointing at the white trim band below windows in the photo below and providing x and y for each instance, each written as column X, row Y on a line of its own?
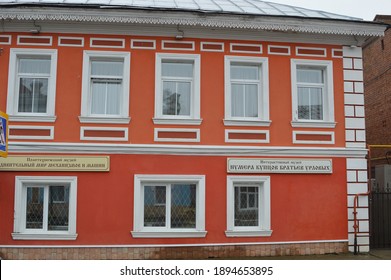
column 102, row 148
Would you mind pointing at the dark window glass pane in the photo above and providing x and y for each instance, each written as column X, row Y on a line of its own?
column 183, row 206
column 58, row 215
column 246, row 206
column 154, row 206
column 34, row 208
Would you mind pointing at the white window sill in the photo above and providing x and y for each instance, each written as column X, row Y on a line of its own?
column 177, row 121
column 248, row 233
column 314, row 124
column 228, row 122
column 44, row 236
column 32, row 118
column 112, row 120
column 169, row 234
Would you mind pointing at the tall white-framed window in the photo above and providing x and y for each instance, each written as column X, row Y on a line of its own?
column 312, row 93
column 248, row 206
column 45, row 208
column 105, row 87
column 246, row 91
column 32, row 85
column 167, row 206
column 177, row 89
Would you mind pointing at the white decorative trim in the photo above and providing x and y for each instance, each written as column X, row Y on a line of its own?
column 179, row 43
column 313, row 124
column 246, row 123
column 331, row 133
column 143, row 40
column 264, row 214
column 108, row 40
column 195, row 94
column 279, row 47
column 94, row 128
column 34, row 37
column 9, row 39
column 89, row 55
column 159, row 139
column 111, row 120
column 177, row 121
column 13, row 85
column 56, row 236
column 244, row 140
column 20, row 231
column 311, row 49
column 333, row 51
column 217, row 150
column 242, row 233
column 70, row 38
column 212, row 50
column 232, row 45
column 140, row 230
column 328, row 91
column 21, row 127
column 273, row 23
column 262, row 82
column 17, row 118
column 160, row 234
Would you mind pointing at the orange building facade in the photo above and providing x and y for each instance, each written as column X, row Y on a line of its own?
column 167, row 138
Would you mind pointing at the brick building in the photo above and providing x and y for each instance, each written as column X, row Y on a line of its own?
column 377, row 81
column 181, row 129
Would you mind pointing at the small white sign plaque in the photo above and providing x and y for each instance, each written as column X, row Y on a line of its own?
column 266, row 165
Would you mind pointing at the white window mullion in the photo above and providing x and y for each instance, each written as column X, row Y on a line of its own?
column 45, row 208
column 168, row 207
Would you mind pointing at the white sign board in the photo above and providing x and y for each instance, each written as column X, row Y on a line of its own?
column 263, row 165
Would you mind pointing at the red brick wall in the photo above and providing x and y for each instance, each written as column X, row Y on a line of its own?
column 377, row 83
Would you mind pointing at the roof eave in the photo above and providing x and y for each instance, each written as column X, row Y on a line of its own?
column 193, row 18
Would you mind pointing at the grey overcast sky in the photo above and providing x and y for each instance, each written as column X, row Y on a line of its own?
column 365, row 9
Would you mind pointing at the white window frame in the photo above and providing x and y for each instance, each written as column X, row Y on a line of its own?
column 20, row 231
column 328, row 94
column 13, row 86
column 263, row 118
column 86, row 116
column 140, row 231
column 194, row 118
column 264, row 227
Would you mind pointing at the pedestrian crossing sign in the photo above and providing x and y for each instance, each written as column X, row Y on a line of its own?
column 3, row 134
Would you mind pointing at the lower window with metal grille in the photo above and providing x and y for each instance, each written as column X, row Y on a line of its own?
column 45, row 208
column 169, row 206
column 248, row 206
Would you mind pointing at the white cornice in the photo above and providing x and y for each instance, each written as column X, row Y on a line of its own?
column 268, row 23
column 196, row 150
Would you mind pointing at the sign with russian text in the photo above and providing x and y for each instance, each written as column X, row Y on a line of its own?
column 55, row 163
column 262, row 165
column 3, row 134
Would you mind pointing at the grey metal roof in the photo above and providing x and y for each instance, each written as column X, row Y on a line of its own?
column 251, row 7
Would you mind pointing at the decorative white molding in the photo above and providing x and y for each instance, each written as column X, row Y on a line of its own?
column 218, row 150
column 121, row 41
column 64, row 44
column 8, row 38
column 203, row 44
column 30, row 137
column 246, row 132
column 270, row 23
column 21, row 37
column 238, row 233
column 83, row 130
column 133, row 45
column 315, row 133
column 176, row 139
